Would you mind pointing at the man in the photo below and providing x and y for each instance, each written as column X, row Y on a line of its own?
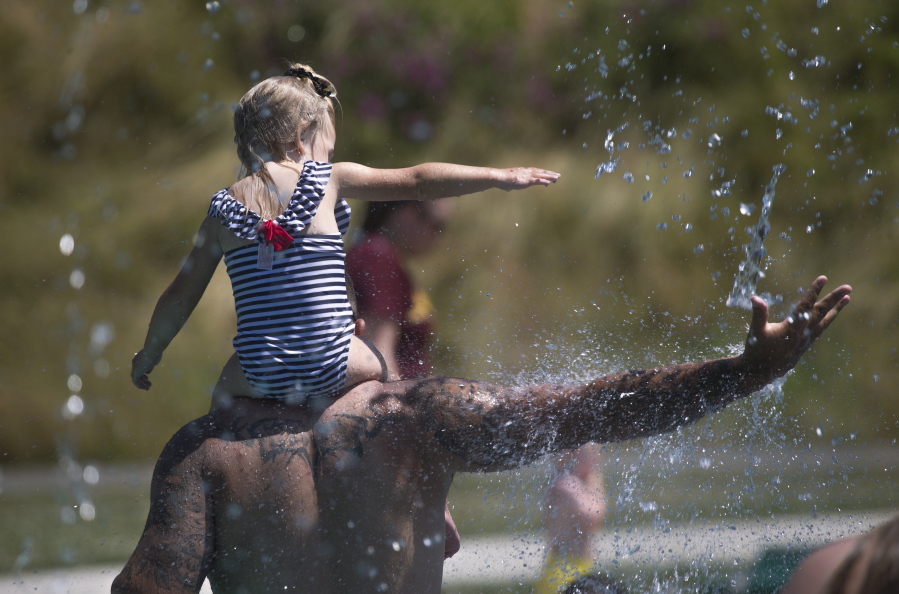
column 348, row 497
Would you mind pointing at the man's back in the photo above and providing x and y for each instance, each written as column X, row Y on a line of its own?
column 261, row 499
column 262, row 506
column 382, row 486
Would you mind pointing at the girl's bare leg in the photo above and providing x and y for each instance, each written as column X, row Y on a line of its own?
column 232, row 382
column 364, row 364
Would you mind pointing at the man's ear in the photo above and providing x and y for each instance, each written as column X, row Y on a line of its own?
column 360, row 327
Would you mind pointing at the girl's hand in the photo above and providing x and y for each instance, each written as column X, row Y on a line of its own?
column 141, row 365
column 525, row 177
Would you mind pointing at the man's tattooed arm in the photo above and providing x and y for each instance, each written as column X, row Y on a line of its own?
column 493, row 427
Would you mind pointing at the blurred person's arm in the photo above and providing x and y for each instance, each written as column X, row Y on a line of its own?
column 384, row 333
column 814, row 573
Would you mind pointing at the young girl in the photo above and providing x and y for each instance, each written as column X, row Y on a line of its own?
column 280, row 231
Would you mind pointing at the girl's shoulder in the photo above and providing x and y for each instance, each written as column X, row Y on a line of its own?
column 233, row 214
column 316, row 172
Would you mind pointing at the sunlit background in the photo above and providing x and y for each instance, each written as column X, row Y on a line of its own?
column 666, row 120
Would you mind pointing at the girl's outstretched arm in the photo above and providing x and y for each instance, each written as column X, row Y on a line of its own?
column 432, row 180
column 178, row 301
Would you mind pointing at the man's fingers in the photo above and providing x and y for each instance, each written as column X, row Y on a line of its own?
column 759, row 316
column 809, row 300
column 834, row 299
column 834, row 309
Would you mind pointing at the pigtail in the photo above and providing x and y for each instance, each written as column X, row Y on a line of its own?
column 267, row 119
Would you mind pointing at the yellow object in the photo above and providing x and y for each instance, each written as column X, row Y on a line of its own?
column 421, row 309
column 559, row 571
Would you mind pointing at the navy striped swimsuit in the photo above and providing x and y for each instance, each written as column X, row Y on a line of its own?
column 294, row 322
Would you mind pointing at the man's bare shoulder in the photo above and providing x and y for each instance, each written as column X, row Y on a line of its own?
column 448, row 420
column 400, row 400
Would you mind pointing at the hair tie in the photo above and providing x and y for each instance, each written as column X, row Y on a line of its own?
column 318, row 84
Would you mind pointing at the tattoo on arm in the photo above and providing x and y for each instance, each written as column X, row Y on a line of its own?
column 494, row 427
column 175, row 550
column 344, row 435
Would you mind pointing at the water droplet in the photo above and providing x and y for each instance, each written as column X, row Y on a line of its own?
column 628, row 177
column 213, row 7
column 699, row 249
column 296, row 33
column 74, row 406
column 76, row 278
column 79, row 6
column 647, row 196
column 608, row 167
column 74, row 383
column 662, row 226
column 101, row 335
column 66, row 245
column 747, row 209
column 87, row 511
column 91, row 475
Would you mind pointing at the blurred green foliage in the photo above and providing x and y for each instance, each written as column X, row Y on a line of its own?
column 117, row 122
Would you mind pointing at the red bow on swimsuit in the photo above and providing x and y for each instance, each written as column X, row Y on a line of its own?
column 271, row 232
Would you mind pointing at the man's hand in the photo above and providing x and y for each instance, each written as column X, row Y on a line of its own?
column 773, row 349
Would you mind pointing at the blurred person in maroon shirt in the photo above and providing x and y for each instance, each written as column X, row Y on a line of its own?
column 398, row 314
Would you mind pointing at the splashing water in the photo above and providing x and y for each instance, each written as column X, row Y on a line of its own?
column 751, row 269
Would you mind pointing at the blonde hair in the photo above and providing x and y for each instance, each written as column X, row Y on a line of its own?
column 267, row 118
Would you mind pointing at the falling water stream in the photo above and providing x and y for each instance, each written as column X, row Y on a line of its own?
column 751, row 270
